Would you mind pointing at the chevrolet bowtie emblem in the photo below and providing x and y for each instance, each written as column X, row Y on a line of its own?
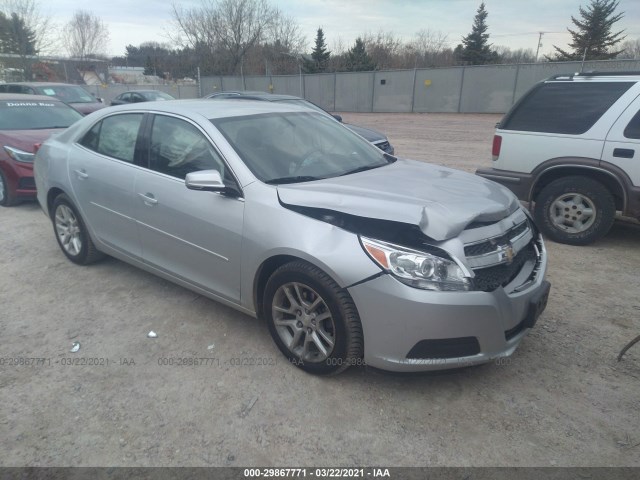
column 507, row 253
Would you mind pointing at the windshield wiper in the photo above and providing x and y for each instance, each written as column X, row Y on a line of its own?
column 298, row 179
column 362, row 169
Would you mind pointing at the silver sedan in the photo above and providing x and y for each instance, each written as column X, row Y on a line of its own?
column 350, row 255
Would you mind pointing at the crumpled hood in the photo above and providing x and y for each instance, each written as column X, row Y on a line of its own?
column 440, row 200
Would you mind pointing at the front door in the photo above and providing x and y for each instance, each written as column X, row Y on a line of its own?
column 193, row 235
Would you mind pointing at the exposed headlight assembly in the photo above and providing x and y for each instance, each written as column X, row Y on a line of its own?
column 415, row 268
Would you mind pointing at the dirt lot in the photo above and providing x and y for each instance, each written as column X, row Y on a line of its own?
column 562, row 399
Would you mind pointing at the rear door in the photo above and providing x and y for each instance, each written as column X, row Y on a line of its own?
column 622, row 147
column 195, row 236
column 102, row 171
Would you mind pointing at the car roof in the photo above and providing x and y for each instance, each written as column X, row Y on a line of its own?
column 271, row 97
column 144, row 91
column 22, row 97
column 44, row 84
column 208, row 109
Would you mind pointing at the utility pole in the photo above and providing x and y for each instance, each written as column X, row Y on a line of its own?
column 539, row 44
column 584, row 55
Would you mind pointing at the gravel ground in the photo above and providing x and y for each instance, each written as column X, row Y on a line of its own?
column 562, row 399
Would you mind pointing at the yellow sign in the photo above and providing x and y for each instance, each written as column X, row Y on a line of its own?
column 427, row 83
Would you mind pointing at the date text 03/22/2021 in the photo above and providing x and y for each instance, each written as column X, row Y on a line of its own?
column 317, row 472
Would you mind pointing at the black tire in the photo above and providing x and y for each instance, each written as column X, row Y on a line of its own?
column 591, row 193
column 344, row 322
column 7, row 199
column 87, row 253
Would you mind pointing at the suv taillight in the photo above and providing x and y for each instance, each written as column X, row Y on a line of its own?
column 497, row 144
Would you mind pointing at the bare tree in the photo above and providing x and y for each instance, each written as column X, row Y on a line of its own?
column 231, row 27
column 384, row 49
column 428, row 47
column 631, row 49
column 512, row 56
column 85, row 35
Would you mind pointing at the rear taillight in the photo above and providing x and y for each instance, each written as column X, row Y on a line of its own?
column 497, row 144
column 36, row 147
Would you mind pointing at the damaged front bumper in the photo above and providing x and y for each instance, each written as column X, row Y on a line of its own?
column 407, row 329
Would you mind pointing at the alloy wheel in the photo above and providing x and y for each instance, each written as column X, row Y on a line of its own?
column 68, row 230
column 303, row 322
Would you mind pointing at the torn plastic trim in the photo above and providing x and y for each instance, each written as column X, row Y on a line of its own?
column 390, row 231
column 365, row 280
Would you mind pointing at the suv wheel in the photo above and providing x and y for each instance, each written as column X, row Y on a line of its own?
column 312, row 320
column 575, row 210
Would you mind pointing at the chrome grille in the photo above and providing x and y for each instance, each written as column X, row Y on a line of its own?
column 497, row 261
column 490, row 278
column 384, row 146
column 489, row 245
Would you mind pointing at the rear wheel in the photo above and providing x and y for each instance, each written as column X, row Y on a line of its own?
column 575, row 210
column 6, row 199
column 312, row 320
column 71, row 233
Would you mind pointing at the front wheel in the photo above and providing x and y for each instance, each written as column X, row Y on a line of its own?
column 575, row 210
column 312, row 320
column 71, row 233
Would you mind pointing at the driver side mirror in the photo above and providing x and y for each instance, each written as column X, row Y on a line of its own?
column 210, row 181
column 337, row 117
column 207, row 180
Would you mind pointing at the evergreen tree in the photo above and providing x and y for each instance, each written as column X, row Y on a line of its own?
column 475, row 48
column 15, row 36
column 319, row 56
column 593, row 34
column 150, row 66
column 358, row 60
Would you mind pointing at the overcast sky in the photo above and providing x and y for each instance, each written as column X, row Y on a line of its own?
column 514, row 23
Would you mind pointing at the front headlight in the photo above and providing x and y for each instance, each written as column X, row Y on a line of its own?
column 415, row 268
column 19, row 155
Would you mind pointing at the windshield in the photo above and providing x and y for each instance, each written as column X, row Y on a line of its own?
column 304, row 103
column 158, row 96
column 297, row 147
column 68, row 93
column 20, row 115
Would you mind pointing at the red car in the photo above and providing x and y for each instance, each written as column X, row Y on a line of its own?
column 25, row 121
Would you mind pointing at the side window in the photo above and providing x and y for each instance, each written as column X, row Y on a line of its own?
column 16, row 89
column 179, row 148
column 115, row 136
column 564, row 107
column 125, row 97
column 90, row 139
column 633, row 129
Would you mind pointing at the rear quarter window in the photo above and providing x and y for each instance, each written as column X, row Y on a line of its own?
column 564, row 107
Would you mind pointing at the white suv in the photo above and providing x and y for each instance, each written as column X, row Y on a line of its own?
column 571, row 145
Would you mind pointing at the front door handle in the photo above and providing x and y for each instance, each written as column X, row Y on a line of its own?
column 623, row 152
column 81, row 174
column 148, row 199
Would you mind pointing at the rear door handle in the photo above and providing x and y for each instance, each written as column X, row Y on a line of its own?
column 623, row 152
column 148, row 199
column 81, row 174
